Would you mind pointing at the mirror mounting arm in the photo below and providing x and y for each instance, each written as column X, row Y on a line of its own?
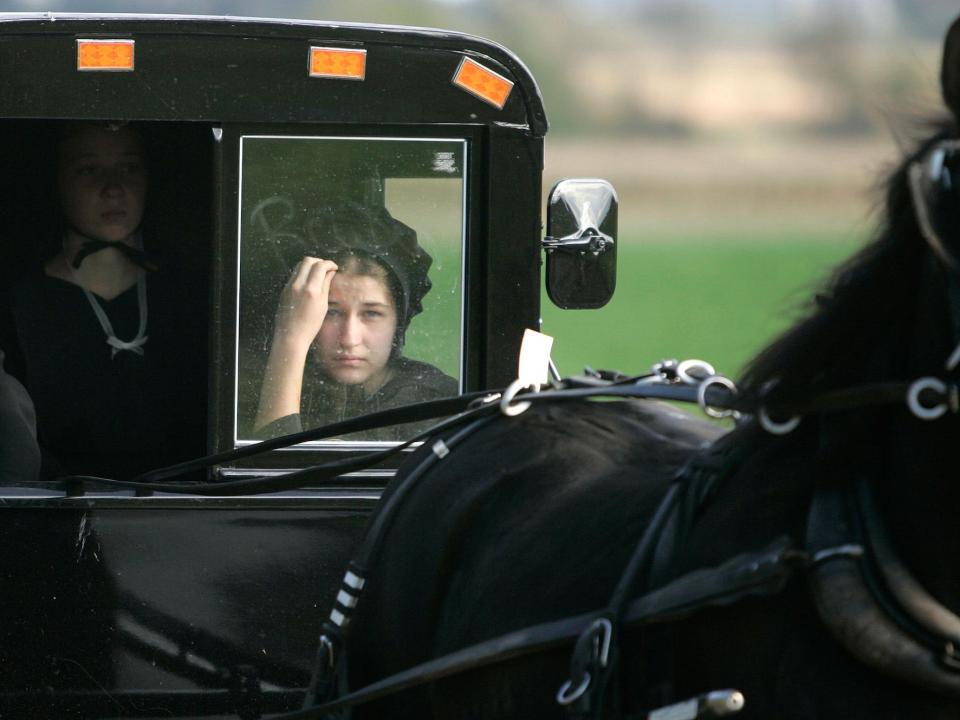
column 589, row 240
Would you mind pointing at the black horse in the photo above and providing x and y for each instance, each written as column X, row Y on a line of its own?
column 534, row 518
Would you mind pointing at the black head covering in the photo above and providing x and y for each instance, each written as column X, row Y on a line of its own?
column 353, row 229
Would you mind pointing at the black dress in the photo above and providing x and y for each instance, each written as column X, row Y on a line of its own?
column 97, row 414
column 326, row 401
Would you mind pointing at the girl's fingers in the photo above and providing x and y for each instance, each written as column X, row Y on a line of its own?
column 311, row 270
column 300, row 273
column 320, row 273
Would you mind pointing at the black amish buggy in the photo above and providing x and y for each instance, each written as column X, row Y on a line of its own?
column 199, row 590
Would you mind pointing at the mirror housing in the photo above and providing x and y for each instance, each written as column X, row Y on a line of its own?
column 581, row 243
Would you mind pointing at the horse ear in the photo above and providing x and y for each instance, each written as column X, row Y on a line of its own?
column 950, row 72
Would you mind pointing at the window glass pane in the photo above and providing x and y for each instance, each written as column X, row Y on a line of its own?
column 351, row 280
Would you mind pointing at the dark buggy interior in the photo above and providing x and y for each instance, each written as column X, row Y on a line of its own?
column 177, row 232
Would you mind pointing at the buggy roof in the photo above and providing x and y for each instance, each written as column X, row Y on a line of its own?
column 227, row 68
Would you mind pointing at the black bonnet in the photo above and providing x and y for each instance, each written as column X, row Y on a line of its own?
column 335, row 231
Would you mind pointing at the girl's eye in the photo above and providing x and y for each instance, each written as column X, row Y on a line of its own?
column 86, row 170
column 332, row 312
column 373, row 313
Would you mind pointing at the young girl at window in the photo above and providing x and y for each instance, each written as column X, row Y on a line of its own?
column 340, row 328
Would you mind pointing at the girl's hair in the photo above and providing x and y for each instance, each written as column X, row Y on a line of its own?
column 353, row 261
column 375, row 238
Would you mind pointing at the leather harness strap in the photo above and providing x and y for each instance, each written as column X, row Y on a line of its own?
column 594, row 658
column 941, row 394
column 759, row 574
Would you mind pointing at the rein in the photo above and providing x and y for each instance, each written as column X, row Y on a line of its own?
column 762, row 573
column 689, row 381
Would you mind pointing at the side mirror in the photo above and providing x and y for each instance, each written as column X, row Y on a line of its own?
column 581, row 243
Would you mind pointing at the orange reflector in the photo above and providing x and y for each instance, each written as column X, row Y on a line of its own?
column 338, row 63
column 487, row 85
column 105, row 55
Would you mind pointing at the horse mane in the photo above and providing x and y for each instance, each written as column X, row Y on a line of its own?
column 857, row 327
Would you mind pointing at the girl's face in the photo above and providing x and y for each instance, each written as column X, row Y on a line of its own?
column 102, row 180
column 356, row 338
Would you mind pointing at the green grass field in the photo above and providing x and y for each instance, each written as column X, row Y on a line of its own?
column 721, row 245
column 719, row 299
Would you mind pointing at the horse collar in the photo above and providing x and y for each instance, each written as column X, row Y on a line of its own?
column 869, row 600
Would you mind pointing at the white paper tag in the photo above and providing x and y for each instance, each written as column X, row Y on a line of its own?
column 534, row 365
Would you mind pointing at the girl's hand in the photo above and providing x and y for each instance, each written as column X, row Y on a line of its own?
column 303, row 302
column 301, row 312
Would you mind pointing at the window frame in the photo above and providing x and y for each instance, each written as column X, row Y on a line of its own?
column 226, row 285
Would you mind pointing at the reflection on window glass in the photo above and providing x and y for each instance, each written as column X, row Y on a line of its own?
column 351, row 257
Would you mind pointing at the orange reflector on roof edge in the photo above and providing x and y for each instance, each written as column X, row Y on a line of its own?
column 105, row 55
column 486, row 84
column 343, row 63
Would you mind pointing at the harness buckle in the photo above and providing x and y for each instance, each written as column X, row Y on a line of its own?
column 596, row 640
column 688, row 372
column 602, row 643
column 327, row 648
column 665, row 370
column 485, row 400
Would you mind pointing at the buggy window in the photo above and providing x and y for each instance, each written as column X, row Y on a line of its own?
column 317, row 345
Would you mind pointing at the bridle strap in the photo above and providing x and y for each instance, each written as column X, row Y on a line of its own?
column 922, row 212
column 594, row 657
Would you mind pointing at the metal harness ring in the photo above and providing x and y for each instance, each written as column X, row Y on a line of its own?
column 602, row 631
column 913, row 398
column 777, row 428
column 507, row 406
column 563, row 698
column 709, row 410
column 694, row 371
column 603, row 647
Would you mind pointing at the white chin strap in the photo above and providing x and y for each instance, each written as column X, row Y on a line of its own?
column 118, row 345
column 115, row 343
